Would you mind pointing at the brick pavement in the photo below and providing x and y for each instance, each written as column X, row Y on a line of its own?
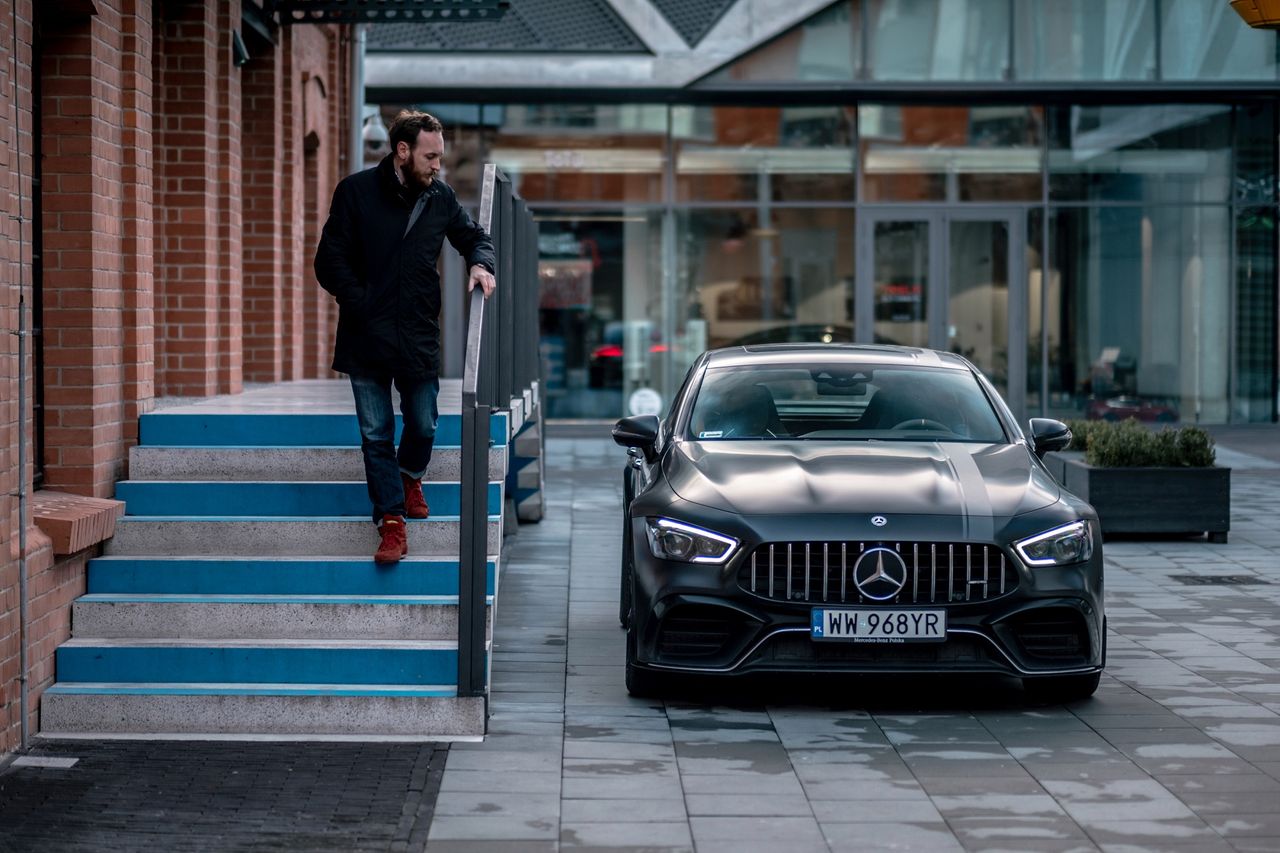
column 202, row 796
column 1179, row 750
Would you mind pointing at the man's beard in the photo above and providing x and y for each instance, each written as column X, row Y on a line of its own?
column 415, row 179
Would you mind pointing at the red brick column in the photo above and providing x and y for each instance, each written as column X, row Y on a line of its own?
column 264, row 164
column 16, row 165
column 297, row 257
column 197, row 166
column 230, row 216
column 138, row 241
column 81, row 97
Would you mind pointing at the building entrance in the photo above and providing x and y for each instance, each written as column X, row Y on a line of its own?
column 942, row 279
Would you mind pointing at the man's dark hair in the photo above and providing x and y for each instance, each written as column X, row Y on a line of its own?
column 409, row 124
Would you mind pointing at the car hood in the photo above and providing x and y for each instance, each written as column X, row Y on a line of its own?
column 802, row 477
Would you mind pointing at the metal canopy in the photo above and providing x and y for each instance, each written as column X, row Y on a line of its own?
column 385, row 11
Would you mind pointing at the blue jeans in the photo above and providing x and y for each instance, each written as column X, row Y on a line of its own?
column 382, row 464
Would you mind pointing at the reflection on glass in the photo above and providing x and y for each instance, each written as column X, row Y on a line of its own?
column 1255, row 179
column 1158, row 153
column 825, row 47
column 1036, row 289
column 901, row 283
column 749, row 276
column 978, row 311
column 929, row 153
column 779, row 154
column 1084, row 40
column 1204, row 41
column 1138, row 309
column 572, row 152
column 928, row 40
column 599, row 339
column 1255, row 314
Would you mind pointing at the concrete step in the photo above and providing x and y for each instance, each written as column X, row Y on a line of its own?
column 279, row 617
column 331, row 576
column 149, row 661
column 103, row 710
column 183, row 536
column 186, row 428
column 271, row 499
column 283, row 463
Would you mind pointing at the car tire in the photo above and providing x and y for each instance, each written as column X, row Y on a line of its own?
column 1062, row 688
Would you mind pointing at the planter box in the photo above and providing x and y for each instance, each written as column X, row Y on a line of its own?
column 1150, row 500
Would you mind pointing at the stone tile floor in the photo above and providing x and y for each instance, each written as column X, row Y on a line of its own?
column 1179, row 750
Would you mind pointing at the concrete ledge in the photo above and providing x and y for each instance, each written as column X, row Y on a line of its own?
column 257, row 716
column 283, row 463
column 223, row 617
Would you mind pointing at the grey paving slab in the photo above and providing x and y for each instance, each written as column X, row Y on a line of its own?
column 1179, row 750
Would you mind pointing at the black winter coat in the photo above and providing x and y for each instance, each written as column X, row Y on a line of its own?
column 386, row 283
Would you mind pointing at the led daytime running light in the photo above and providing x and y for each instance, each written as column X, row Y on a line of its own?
column 657, row 526
column 1078, row 530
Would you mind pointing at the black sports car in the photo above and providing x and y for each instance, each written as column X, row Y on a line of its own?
column 846, row 508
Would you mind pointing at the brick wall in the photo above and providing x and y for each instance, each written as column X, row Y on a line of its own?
column 176, row 245
column 15, row 261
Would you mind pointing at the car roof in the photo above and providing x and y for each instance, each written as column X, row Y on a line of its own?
column 804, row 354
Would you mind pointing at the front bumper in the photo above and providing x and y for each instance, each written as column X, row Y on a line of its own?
column 704, row 619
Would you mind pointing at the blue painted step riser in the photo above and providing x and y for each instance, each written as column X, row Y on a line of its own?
column 283, row 430
column 251, row 665
column 275, row 499
column 274, row 577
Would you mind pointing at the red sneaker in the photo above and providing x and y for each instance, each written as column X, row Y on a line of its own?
column 395, row 542
column 415, row 505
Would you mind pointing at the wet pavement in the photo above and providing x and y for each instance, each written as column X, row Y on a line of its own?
column 1179, row 750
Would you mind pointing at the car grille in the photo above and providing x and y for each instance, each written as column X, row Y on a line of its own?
column 823, row 572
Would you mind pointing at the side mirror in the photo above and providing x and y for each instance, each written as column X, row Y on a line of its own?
column 1048, row 435
column 639, row 431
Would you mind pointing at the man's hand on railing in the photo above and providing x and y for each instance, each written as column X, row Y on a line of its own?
column 482, row 277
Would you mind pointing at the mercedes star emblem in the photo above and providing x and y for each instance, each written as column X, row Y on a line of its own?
column 879, row 520
column 880, row 573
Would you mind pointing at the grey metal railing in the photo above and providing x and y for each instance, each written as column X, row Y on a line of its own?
column 500, row 364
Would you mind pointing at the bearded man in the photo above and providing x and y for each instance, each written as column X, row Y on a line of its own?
column 378, row 255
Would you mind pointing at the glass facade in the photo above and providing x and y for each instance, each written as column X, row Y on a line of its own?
column 1095, row 259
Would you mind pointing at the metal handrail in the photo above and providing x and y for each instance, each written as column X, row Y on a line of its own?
column 500, row 365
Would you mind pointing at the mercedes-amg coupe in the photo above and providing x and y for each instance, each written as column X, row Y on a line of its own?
column 856, row 509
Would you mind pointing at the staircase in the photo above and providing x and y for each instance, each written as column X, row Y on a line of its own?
column 238, row 598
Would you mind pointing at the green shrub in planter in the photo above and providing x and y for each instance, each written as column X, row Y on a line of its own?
column 1129, row 444
column 1145, row 482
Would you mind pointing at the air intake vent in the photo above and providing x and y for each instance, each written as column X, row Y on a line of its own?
column 1057, row 635
column 696, row 632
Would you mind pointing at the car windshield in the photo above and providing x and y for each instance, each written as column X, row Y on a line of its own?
column 842, row 402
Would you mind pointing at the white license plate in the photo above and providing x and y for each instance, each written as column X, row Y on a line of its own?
column 879, row 626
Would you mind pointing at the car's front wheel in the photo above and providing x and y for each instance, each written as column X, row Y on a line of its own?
column 1062, row 688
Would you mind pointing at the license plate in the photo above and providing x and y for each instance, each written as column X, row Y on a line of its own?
column 879, row 626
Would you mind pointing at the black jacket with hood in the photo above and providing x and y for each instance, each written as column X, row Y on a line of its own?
column 386, row 282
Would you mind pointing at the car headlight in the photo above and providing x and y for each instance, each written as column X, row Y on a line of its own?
column 675, row 540
column 1070, row 543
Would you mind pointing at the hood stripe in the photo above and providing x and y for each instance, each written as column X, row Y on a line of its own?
column 975, row 501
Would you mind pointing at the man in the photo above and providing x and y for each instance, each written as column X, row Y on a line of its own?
column 377, row 256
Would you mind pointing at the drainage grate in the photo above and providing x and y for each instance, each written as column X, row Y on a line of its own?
column 1220, row 580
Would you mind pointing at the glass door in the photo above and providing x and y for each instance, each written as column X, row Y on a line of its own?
column 942, row 279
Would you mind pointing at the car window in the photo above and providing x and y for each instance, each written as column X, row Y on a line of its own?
column 842, row 402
